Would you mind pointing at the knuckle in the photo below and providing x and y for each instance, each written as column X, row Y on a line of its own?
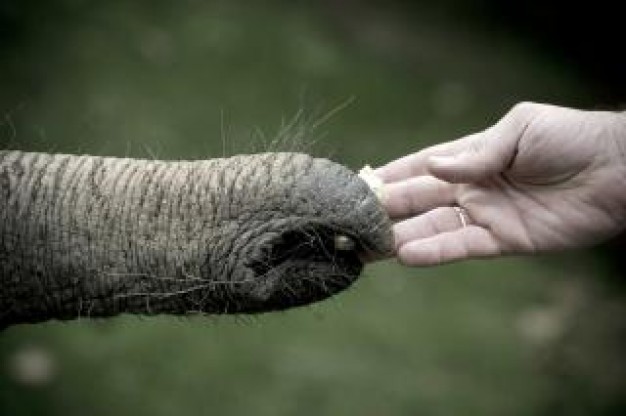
column 525, row 110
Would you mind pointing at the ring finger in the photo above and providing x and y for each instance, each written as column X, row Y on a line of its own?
column 436, row 221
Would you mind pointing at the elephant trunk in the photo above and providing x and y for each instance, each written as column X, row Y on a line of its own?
column 95, row 236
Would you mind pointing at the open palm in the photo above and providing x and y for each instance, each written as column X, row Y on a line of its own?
column 542, row 178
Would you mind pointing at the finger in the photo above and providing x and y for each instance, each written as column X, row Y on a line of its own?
column 417, row 195
column 464, row 243
column 437, row 221
column 415, row 164
column 486, row 154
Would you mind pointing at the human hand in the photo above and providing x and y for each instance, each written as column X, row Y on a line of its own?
column 542, row 178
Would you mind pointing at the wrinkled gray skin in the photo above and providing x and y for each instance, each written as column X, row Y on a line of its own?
column 84, row 236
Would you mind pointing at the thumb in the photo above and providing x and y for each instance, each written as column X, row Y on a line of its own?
column 487, row 153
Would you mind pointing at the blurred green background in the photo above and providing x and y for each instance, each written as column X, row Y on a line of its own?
column 367, row 82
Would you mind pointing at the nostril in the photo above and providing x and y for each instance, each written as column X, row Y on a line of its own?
column 305, row 245
column 300, row 265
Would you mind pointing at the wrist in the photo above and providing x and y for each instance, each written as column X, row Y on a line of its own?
column 619, row 137
column 620, row 134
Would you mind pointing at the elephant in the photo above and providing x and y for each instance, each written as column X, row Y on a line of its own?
column 91, row 236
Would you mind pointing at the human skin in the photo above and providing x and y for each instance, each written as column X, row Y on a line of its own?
column 543, row 178
column 85, row 236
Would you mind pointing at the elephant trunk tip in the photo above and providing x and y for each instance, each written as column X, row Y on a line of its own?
column 325, row 224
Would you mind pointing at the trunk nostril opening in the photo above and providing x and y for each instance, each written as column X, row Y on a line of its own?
column 300, row 266
column 312, row 245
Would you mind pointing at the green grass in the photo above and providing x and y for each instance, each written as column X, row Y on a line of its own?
column 194, row 79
